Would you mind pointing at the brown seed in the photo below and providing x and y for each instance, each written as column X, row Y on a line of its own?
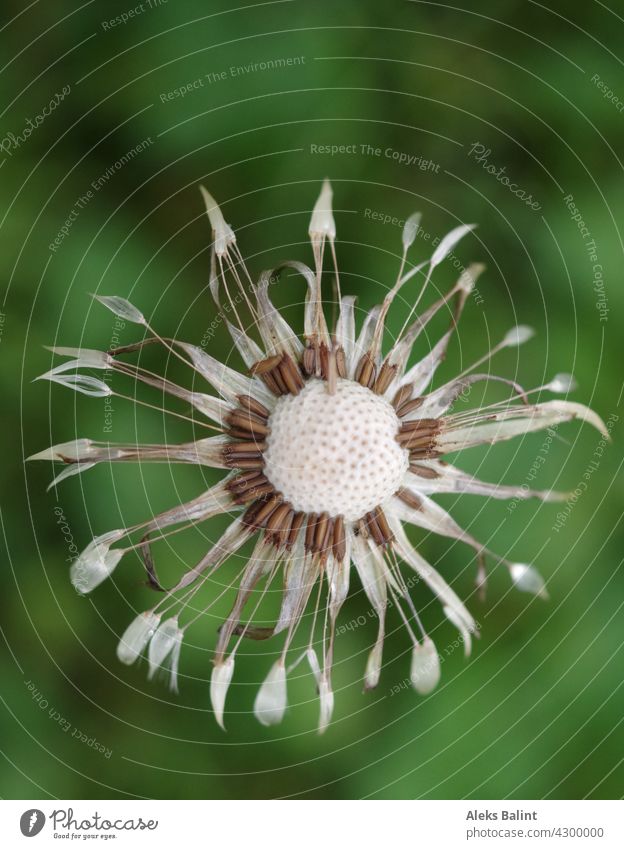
column 428, row 453
column 281, row 383
column 320, row 532
column 310, row 531
column 328, row 540
column 282, row 536
column 287, row 526
column 415, row 441
column 403, row 395
column 423, row 471
column 410, row 498
column 407, row 406
column 239, row 433
column 244, row 477
column 243, row 420
column 267, row 509
column 323, row 360
column 246, row 480
column 423, row 453
column 417, row 437
column 271, row 384
column 244, row 447
column 384, row 378
column 341, row 362
column 250, row 452
column 278, row 524
column 420, row 424
column 365, row 372
column 413, row 435
column 339, row 546
column 250, row 513
column 251, row 416
column 295, row 527
column 254, row 406
column 268, row 364
column 384, row 527
column 373, row 528
column 237, row 461
column 291, row 375
column 309, row 360
column 254, row 493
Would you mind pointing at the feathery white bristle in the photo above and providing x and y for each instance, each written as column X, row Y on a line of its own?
column 96, row 562
column 122, row 308
column 425, row 669
column 410, row 230
column 517, row 336
column 219, row 685
column 270, row 704
column 223, row 233
column 528, row 579
column 562, row 383
column 322, row 221
column 165, row 645
column 137, row 635
column 448, row 242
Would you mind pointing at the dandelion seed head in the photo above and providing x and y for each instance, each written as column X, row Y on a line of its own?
column 331, row 445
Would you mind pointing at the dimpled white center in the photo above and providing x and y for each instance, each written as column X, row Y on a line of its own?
column 334, row 453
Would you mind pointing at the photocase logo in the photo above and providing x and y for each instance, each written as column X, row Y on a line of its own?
column 31, row 822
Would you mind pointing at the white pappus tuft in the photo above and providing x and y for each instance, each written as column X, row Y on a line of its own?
column 136, row 636
column 425, row 670
column 96, row 563
column 528, row 579
column 164, row 650
column 219, row 685
column 270, row 704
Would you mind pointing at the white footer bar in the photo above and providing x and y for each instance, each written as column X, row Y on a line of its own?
column 313, row 824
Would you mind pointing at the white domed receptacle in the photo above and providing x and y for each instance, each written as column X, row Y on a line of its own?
column 335, row 453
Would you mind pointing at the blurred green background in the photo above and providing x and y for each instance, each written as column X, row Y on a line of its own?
column 537, row 710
